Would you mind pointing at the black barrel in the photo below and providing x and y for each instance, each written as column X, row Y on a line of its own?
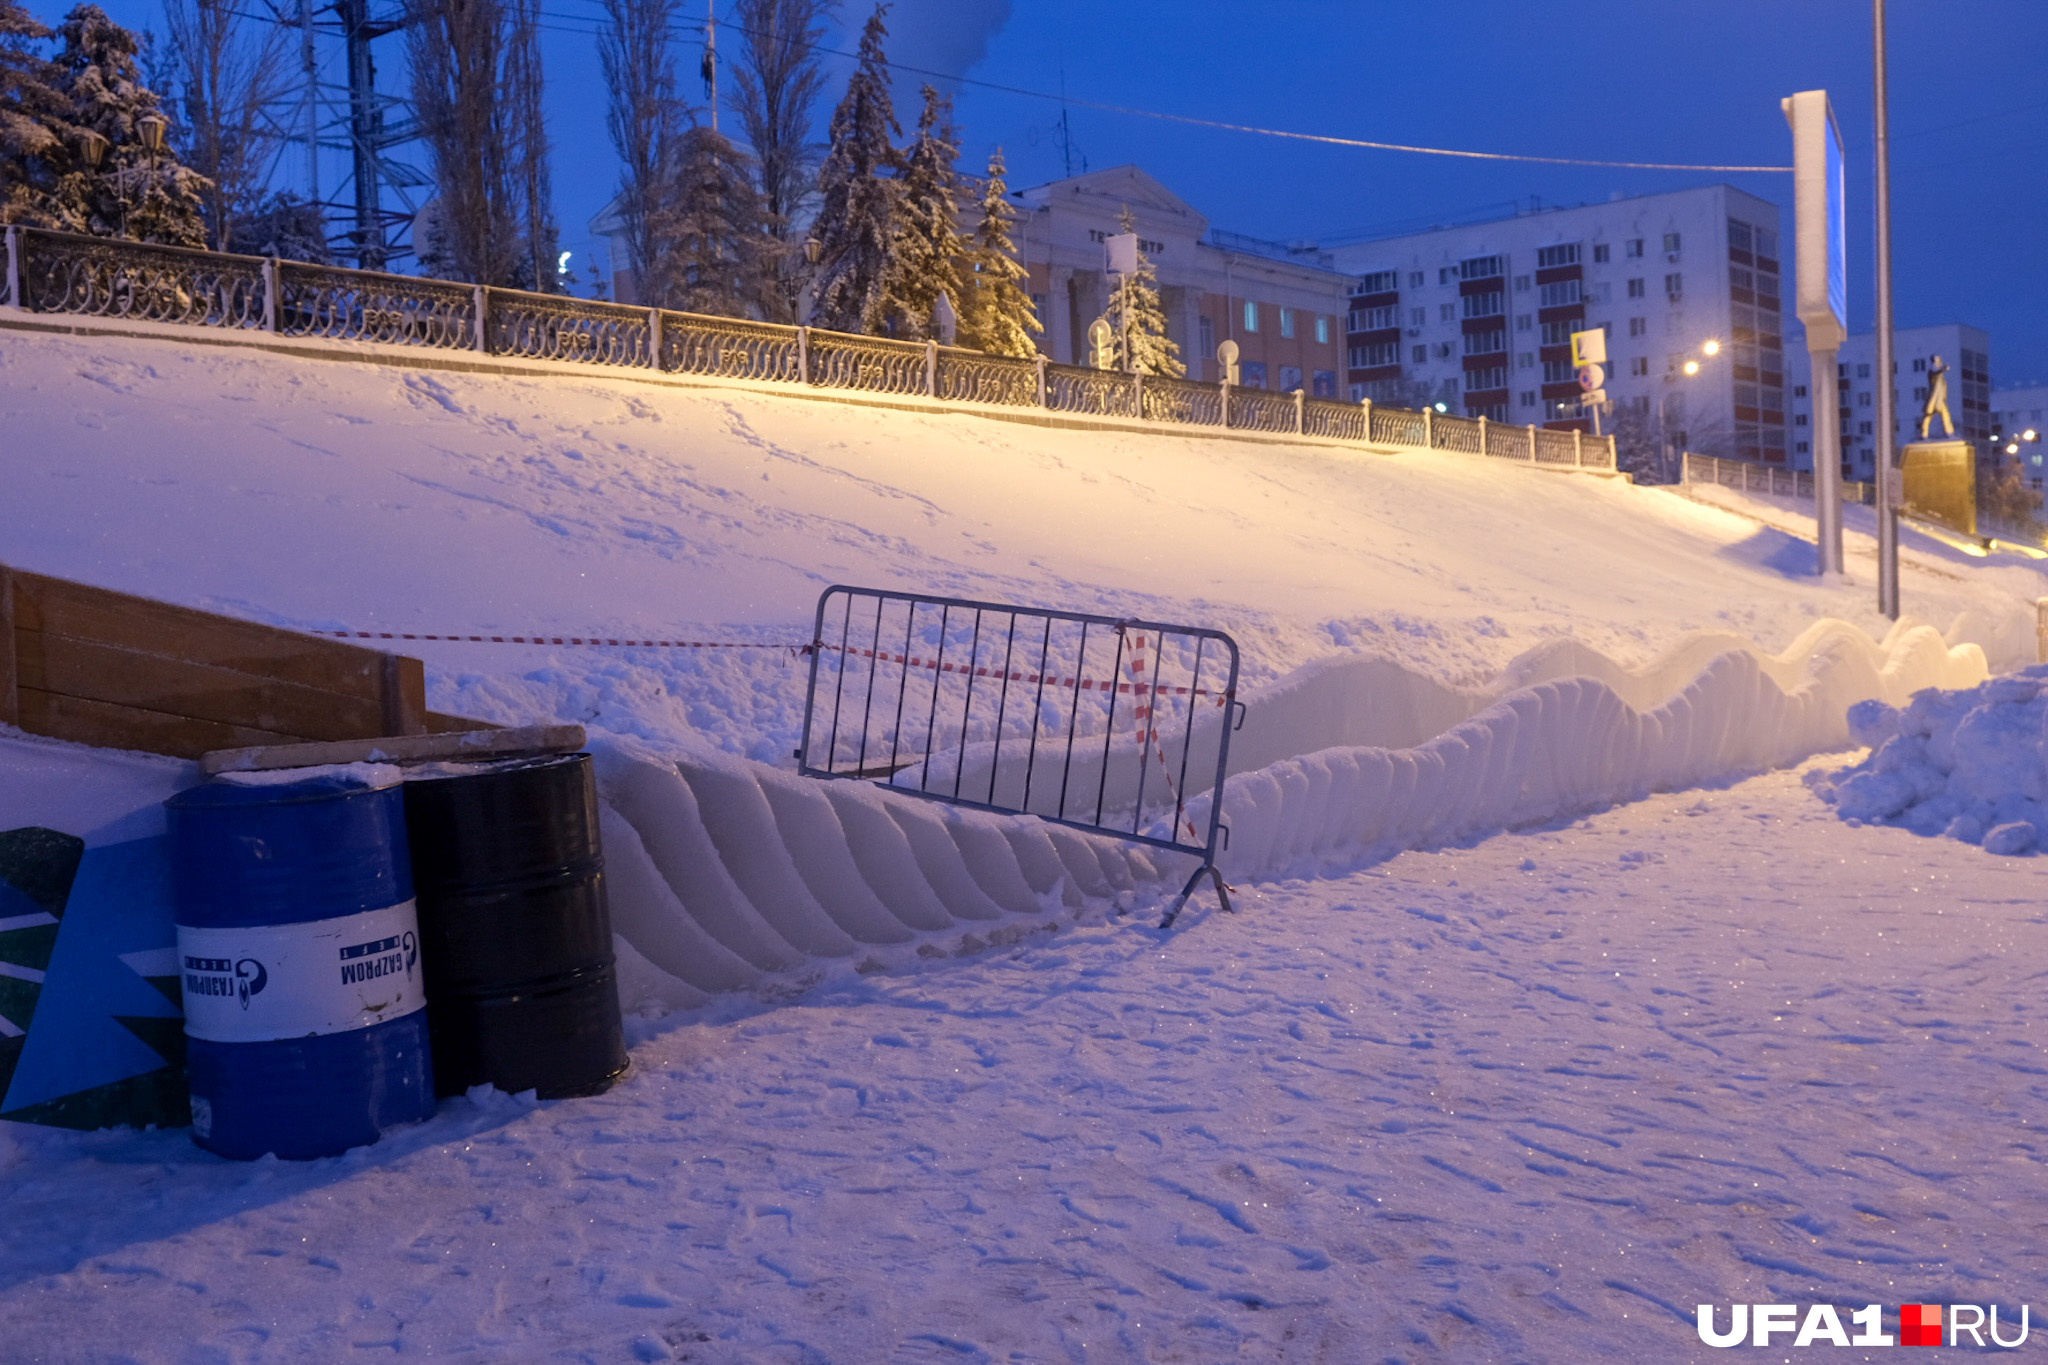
column 515, row 934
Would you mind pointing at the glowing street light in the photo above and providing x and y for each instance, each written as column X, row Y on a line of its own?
column 1692, row 367
column 1712, row 348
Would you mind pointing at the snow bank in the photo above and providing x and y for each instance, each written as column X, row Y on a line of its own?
column 726, row 873
column 1966, row 764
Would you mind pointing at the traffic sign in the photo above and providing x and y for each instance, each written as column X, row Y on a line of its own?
column 1589, row 348
column 1591, row 377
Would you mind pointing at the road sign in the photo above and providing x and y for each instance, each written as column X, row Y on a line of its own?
column 1591, row 377
column 1120, row 253
column 1593, row 398
column 1589, row 348
column 1820, row 276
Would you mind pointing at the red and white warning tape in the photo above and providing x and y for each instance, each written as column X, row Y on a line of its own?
column 1023, row 676
column 558, row 640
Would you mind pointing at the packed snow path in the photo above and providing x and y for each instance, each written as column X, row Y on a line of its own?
column 1530, row 1100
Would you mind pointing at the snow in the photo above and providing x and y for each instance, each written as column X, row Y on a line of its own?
column 1529, row 1099
column 913, row 1082
column 1966, row 764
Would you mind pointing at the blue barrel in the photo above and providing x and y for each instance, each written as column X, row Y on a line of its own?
column 298, row 944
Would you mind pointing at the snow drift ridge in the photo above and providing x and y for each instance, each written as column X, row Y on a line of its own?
column 726, row 872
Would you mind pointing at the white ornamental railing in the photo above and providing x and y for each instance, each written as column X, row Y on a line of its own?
column 57, row 272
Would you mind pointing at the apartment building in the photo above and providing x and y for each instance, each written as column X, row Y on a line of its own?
column 1283, row 305
column 2015, row 413
column 1479, row 318
column 1965, row 350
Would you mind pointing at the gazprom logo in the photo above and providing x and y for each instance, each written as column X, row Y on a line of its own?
column 1920, row 1324
column 362, row 962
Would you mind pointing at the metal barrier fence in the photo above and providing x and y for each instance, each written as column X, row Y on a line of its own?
column 1771, row 480
column 57, row 272
column 1087, row 721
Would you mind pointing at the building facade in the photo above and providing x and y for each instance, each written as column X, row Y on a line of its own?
column 1965, row 350
column 1283, row 306
column 2019, row 428
column 1479, row 318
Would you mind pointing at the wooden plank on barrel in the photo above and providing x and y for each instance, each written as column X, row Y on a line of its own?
column 456, row 746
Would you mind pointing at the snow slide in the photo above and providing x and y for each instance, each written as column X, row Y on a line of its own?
column 726, row 873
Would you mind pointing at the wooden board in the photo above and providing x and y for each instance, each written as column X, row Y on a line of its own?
column 97, row 667
column 155, row 682
column 109, row 726
column 458, row 746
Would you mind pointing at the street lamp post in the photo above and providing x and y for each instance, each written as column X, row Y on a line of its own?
column 1887, row 391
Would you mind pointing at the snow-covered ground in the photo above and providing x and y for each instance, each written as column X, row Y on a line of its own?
column 1524, row 1097
column 1529, row 1100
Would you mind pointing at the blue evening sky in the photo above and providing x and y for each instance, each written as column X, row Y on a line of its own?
column 1636, row 80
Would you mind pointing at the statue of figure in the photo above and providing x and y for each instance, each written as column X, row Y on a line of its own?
column 1937, row 399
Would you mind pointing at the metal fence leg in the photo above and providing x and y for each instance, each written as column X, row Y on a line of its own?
column 1215, row 875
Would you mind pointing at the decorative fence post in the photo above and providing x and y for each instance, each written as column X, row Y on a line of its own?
column 1041, row 378
column 931, row 369
column 1482, row 435
column 1137, row 393
column 654, row 338
column 1532, row 443
column 1578, row 448
column 1428, row 427
column 1365, row 431
column 803, row 355
column 270, row 284
column 1224, row 385
column 14, row 268
column 483, row 301
column 1300, row 411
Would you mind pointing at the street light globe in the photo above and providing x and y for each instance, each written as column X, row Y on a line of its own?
column 2030, row 435
column 1692, row 367
column 2013, row 448
column 1711, row 348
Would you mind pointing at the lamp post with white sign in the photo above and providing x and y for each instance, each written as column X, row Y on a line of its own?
column 1822, row 301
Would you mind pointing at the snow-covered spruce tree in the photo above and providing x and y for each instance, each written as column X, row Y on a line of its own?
column 859, row 194
column 718, row 245
column 925, row 262
column 1137, row 323
column 33, row 129
column 149, row 196
column 996, row 314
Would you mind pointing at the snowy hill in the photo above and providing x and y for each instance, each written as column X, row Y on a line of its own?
column 1377, row 1114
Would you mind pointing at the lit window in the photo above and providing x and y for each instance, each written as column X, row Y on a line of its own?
column 1287, row 330
column 1251, row 316
column 1323, row 329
